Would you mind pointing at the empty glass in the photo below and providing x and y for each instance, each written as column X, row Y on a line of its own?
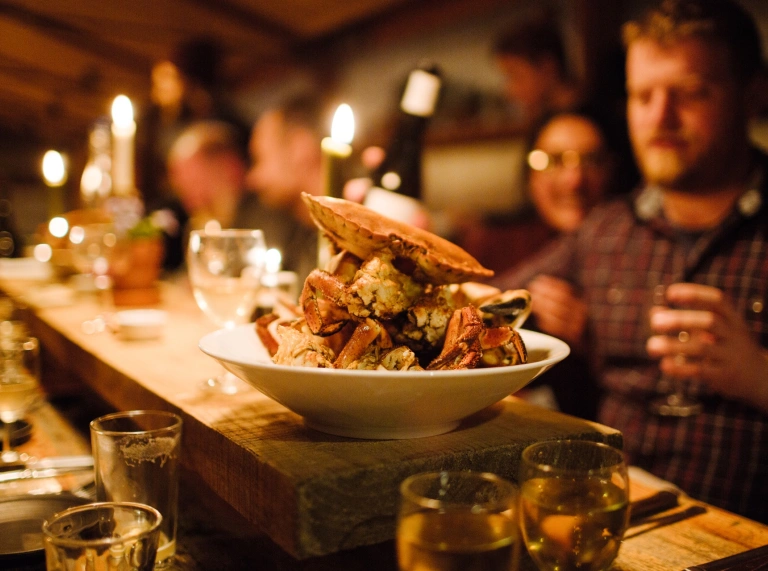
column 92, row 248
column 225, row 270
column 120, row 536
column 19, row 380
column 136, row 457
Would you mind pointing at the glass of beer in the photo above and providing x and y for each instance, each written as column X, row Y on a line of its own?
column 574, row 504
column 456, row 521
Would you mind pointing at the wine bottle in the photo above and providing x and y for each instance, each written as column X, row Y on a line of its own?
column 396, row 183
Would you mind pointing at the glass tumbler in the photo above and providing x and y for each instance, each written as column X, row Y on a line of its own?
column 110, row 536
column 457, row 521
column 574, row 504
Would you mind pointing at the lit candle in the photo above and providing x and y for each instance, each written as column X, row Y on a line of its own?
column 55, row 175
column 123, row 134
column 336, row 149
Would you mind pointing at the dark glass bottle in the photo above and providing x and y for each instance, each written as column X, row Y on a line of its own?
column 10, row 241
column 396, row 183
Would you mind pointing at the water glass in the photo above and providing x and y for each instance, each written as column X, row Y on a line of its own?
column 19, row 380
column 457, row 521
column 111, row 535
column 136, row 457
column 574, row 504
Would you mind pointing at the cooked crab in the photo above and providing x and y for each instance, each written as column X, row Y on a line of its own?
column 395, row 295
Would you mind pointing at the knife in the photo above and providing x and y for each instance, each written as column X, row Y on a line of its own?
column 750, row 560
column 48, row 468
column 659, row 502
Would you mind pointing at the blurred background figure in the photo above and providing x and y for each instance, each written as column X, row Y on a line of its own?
column 286, row 161
column 531, row 56
column 186, row 87
column 539, row 81
column 569, row 169
column 207, row 169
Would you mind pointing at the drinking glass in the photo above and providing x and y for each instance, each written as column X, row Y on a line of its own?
column 676, row 402
column 225, row 269
column 574, row 504
column 456, row 521
column 109, row 535
column 92, row 248
column 19, row 382
column 136, row 457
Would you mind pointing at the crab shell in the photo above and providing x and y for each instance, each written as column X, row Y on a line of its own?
column 362, row 232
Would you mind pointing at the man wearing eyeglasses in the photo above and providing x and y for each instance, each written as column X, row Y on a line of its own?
column 675, row 278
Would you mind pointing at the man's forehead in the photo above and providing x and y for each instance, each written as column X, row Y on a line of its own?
column 685, row 60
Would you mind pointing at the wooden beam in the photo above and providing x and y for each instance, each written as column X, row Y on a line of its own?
column 78, row 37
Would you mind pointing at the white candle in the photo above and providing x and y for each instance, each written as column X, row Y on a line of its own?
column 337, row 148
column 123, row 134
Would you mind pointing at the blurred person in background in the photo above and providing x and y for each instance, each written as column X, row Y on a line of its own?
column 569, row 171
column 207, row 169
column 675, row 277
column 187, row 86
column 286, row 161
column 532, row 59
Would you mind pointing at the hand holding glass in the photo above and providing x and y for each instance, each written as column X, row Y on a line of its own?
column 457, row 520
column 676, row 402
column 574, row 504
column 225, row 269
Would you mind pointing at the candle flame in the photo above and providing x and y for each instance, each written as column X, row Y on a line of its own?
column 343, row 125
column 54, row 169
column 273, row 259
column 122, row 111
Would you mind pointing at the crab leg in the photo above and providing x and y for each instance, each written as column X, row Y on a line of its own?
column 502, row 346
column 331, row 317
column 362, row 337
column 462, row 341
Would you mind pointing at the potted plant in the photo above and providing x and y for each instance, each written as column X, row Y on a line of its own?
column 136, row 264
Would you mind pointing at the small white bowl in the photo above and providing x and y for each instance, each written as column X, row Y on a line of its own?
column 140, row 324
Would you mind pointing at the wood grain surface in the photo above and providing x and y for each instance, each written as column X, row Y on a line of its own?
column 314, row 494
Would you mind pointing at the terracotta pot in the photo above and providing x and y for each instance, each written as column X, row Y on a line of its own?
column 135, row 269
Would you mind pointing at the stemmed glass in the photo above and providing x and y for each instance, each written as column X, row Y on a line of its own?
column 92, row 248
column 19, row 382
column 225, row 269
column 677, row 402
column 574, row 504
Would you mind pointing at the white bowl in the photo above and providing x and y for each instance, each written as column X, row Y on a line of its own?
column 140, row 324
column 378, row 404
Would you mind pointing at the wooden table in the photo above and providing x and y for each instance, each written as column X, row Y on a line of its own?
column 310, row 493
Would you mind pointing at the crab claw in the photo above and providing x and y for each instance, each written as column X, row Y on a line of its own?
column 510, row 308
column 462, row 341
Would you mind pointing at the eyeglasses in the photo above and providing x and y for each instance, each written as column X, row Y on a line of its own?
column 542, row 161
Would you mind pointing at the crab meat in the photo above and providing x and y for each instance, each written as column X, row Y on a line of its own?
column 368, row 334
column 377, row 290
column 299, row 349
column 468, row 342
column 393, row 295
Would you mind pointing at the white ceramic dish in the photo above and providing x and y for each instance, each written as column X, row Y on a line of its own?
column 140, row 324
column 378, row 404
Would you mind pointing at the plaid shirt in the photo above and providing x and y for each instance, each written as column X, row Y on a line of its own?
column 623, row 256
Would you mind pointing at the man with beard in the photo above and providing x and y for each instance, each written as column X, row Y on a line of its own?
column 675, row 277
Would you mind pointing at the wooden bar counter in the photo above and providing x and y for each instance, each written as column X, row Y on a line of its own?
column 326, row 501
